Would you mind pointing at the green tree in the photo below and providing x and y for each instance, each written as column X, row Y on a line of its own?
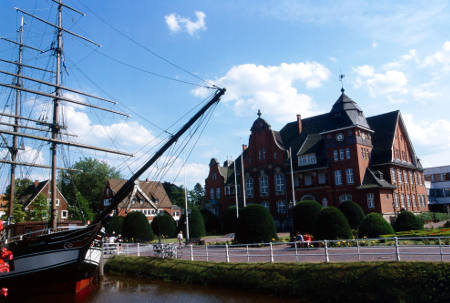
column 406, row 220
column 331, row 224
column 164, row 225
column 81, row 209
column 89, row 180
column 114, row 225
column 175, row 193
column 22, row 186
column 229, row 220
column 39, row 209
column 353, row 212
column 374, row 225
column 255, row 225
column 136, row 227
column 212, row 223
column 197, row 195
column 305, row 215
column 19, row 215
column 196, row 223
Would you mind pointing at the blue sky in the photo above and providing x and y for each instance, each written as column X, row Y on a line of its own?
column 282, row 57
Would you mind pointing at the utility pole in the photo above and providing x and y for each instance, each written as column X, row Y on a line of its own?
column 235, row 190
column 243, row 177
column 292, row 178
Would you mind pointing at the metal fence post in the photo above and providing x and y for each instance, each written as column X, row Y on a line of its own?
column 296, row 251
column 102, row 260
column 359, row 250
column 248, row 255
column 192, row 252
column 206, row 248
column 397, row 250
column 138, row 250
column 271, row 253
column 440, row 249
column 227, row 253
column 327, row 258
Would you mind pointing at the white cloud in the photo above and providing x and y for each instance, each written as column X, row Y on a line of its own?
column 271, row 88
column 392, row 81
column 432, row 138
column 440, row 58
column 374, row 44
column 177, row 23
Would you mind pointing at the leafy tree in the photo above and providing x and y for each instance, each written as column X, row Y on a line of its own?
column 305, row 215
column 19, row 215
column 229, row 223
column 255, row 225
column 374, row 225
column 114, row 225
column 164, row 225
column 137, row 228
column 175, row 193
column 22, row 186
column 212, row 223
column 406, row 220
column 332, row 225
column 90, row 182
column 196, row 223
column 39, row 209
column 197, row 195
column 81, row 209
column 353, row 212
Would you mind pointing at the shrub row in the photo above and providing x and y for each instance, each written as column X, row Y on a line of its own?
column 336, row 282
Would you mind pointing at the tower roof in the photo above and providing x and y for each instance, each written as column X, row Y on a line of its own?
column 260, row 123
column 344, row 108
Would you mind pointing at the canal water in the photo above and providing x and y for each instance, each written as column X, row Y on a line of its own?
column 114, row 290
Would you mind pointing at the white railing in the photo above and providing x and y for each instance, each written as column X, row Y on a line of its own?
column 435, row 249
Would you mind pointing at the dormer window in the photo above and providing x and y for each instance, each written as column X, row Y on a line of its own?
column 308, row 159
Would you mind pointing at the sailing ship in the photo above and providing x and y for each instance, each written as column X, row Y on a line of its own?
column 58, row 259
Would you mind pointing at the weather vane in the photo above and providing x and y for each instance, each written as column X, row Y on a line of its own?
column 341, row 79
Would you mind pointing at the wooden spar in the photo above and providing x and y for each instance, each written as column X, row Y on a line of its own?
column 59, row 27
column 38, row 165
column 62, row 98
column 21, row 44
column 27, row 66
column 34, row 128
column 27, row 119
column 54, row 85
column 71, row 8
column 128, row 186
column 56, row 141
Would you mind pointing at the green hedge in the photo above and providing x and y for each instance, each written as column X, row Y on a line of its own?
column 335, row 282
column 255, row 225
column 164, row 225
column 332, row 225
column 305, row 215
column 353, row 212
column 373, row 226
column 406, row 220
column 136, row 227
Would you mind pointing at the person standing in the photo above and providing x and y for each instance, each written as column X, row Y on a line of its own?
column 180, row 237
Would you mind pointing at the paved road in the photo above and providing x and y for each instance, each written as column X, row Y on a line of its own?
column 286, row 253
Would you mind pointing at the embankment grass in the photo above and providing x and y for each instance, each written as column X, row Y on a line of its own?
column 335, row 282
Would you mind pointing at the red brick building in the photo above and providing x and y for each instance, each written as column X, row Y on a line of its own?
column 336, row 156
column 148, row 197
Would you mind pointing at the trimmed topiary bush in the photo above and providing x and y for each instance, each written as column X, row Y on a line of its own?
column 331, row 224
column 164, row 225
column 137, row 228
column 305, row 215
column 374, row 225
column 353, row 212
column 212, row 223
column 406, row 220
column 255, row 225
column 229, row 220
column 196, row 224
column 114, row 224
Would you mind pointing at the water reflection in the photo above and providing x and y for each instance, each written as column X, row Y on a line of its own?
column 115, row 289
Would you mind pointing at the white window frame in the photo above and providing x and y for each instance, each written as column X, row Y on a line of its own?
column 413, row 197
column 405, row 176
column 347, row 153
column 341, row 154
column 322, row 178
column 279, row 183
column 402, row 201
column 64, row 214
column 211, row 193
column 396, row 201
column 345, row 197
column 265, row 204
column 218, row 193
column 249, row 187
column 227, row 190
column 393, row 176
column 349, row 176
column 370, row 201
column 337, row 177
column 264, row 185
column 282, row 208
column 335, row 155
column 308, row 180
column 400, row 176
column 408, row 201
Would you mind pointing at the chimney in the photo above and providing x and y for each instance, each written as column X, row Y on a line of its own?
column 244, row 147
column 299, row 123
column 36, row 183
